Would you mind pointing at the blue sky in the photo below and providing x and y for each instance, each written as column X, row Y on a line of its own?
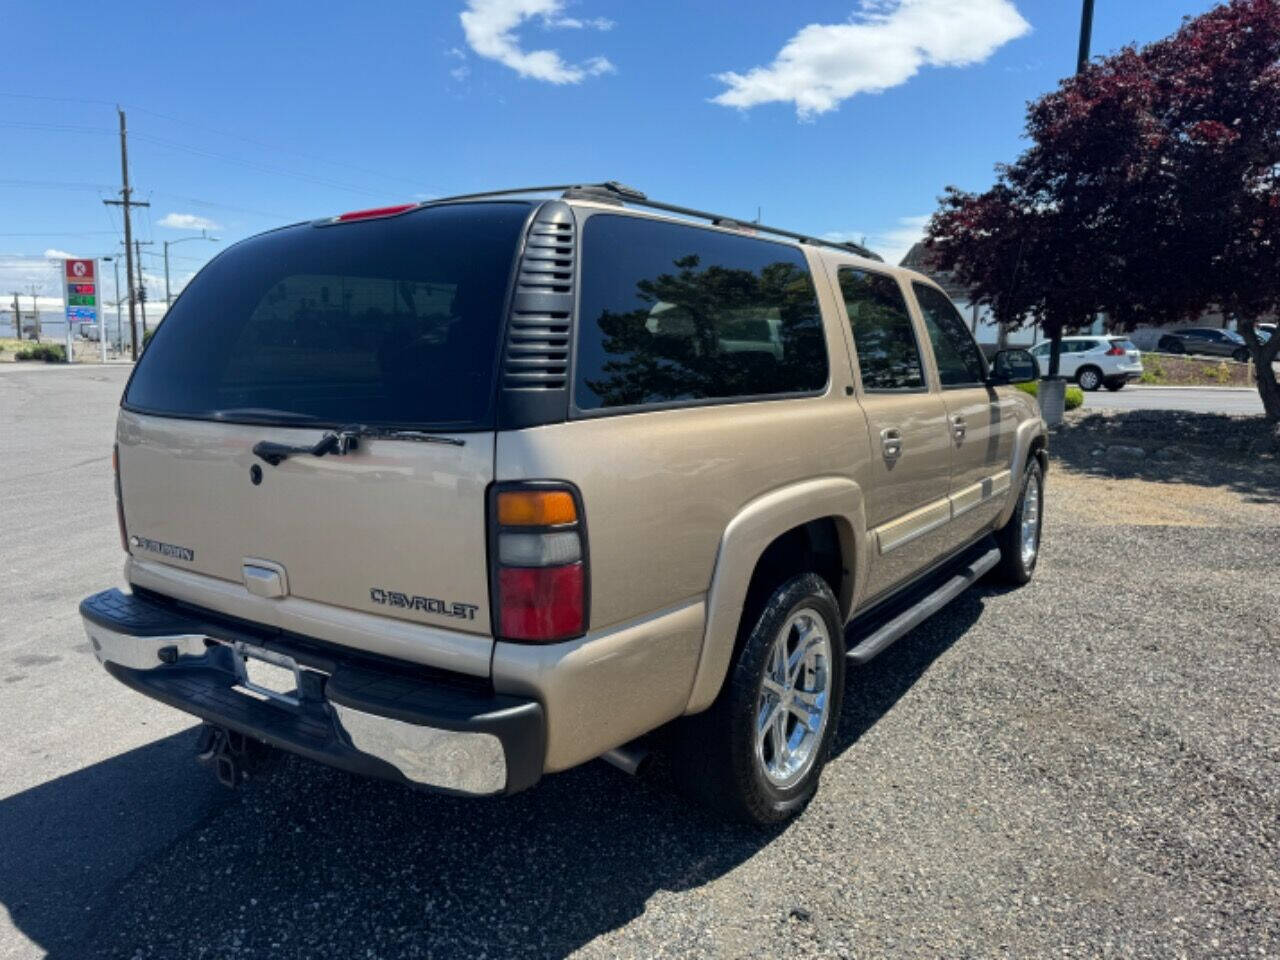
column 839, row 118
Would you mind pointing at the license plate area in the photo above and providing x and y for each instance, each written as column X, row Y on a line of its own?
column 267, row 675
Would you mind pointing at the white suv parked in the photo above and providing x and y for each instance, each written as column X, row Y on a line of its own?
column 1094, row 362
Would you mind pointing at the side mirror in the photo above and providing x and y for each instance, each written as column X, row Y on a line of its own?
column 1013, row 366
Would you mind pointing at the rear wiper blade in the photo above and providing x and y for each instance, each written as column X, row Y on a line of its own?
column 343, row 441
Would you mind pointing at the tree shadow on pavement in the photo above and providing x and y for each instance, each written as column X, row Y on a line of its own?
column 1168, row 446
column 143, row 855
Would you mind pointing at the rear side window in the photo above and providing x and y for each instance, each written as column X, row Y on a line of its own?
column 670, row 313
column 959, row 360
column 1124, row 344
column 888, row 355
column 383, row 322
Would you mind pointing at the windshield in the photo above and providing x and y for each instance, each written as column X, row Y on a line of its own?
column 393, row 321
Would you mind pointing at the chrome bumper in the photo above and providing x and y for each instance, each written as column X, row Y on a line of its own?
column 380, row 723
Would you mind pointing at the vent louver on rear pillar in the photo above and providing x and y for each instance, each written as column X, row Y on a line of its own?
column 535, row 356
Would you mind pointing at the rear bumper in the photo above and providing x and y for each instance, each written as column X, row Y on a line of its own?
column 450, row 734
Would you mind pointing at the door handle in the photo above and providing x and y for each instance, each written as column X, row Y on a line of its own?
column 891, row 442
column 957, row 428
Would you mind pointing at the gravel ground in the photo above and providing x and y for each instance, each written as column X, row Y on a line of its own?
column 1087, row 766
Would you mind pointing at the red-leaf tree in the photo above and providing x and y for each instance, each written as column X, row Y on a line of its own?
column 1150, row 191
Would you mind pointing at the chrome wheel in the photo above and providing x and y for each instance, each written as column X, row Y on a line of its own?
column 793, row 707
column 1090, row 380
column 1031, row 520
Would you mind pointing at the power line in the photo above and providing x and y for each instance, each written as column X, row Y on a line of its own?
column 58, row 127
column 279, row 149
column 54, row 184
column 255, row 165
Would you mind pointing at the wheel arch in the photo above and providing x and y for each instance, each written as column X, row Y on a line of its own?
column 822, row 518
column 1031, row 440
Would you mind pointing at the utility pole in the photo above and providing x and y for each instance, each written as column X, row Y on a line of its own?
column 17, row 316
column 34, row 289
column 1082, row 61
column 126, row 201
column 142, row 298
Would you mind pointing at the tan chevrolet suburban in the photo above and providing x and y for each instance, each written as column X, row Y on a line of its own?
column 466, row 492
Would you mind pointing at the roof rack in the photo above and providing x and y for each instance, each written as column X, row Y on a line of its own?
column 613, row 192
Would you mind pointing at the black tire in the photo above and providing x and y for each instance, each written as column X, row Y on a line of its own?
column 1177, row 346
column 714, row 757
column 1114, row 385
column 1089, row 378
column 1013, row 569
column 1241, row 355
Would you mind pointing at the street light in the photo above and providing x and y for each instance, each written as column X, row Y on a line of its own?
column 168, row 299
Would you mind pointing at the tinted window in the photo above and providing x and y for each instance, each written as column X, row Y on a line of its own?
column 670, row 313
column 959, row 360
column 391, row 321
column 888, row 354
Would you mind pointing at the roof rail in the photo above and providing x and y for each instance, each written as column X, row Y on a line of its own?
column 613, row 192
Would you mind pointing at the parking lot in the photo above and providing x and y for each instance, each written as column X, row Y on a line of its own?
column 1086, row 766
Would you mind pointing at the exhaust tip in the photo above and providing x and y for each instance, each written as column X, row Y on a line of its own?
column 631, row 758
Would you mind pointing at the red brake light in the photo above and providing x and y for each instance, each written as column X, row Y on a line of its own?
column 374, row 213
column 541, row 603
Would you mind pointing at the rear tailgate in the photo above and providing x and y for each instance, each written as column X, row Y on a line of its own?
column 395, row 528
column 380, row 324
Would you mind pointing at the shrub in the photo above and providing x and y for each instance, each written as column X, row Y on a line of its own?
column 1073, row 399
column 146, row 338
column 49, row 353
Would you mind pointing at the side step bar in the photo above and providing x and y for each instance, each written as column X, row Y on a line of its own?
column 960, row 580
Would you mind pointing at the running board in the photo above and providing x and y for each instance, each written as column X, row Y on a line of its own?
column 961, row 580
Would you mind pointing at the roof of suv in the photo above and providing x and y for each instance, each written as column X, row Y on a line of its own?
column 617, row 198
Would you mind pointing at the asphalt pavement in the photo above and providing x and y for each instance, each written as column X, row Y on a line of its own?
column 1087, row 766
column 1233, row 400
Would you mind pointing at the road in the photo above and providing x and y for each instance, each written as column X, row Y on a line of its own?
column 1084, row 766
column 1190, row 399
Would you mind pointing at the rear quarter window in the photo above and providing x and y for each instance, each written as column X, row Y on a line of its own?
column 670, row 313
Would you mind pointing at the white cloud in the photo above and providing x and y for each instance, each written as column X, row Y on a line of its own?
column 55, row 254
column 574, row 23
column 186, row 221
column 490, row 28
column 893, row 244
column 883, row 45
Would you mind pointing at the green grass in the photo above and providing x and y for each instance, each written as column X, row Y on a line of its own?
column 1074, row 396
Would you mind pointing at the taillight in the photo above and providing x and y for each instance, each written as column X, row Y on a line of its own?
column 538, row 555
column 1116, row 351
column 115, row 469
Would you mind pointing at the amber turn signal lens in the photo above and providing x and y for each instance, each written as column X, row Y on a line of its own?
column 536, row 508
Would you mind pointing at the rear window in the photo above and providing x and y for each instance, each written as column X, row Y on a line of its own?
column 671, row 313
column 1124, row 344
column 383, row 322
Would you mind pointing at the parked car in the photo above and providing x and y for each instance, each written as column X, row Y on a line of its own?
column 1094, row 362
column 471, row 491
column 1205, row 340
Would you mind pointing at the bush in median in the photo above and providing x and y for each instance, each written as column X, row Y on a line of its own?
column 49, row 353
column 1074, row 397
